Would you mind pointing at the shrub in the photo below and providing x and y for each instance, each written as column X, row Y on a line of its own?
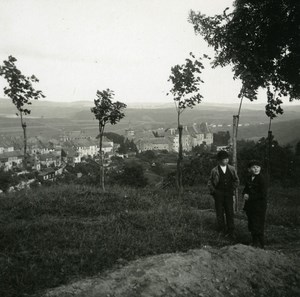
column 132, row 174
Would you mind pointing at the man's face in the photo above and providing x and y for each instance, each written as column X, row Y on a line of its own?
column 255, row 169
column 224, row 162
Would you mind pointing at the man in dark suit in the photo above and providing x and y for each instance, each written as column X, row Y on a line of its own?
column 255, row 195
column 222, row 183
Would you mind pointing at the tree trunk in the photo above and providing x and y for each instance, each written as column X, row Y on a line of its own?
column 234, row 155
column 268, row 153
column 236, row 119
column 179, row 160
column 234, row 141
column 101, row 165
column 23, row 124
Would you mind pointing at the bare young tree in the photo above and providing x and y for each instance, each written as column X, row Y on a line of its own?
column 106, row 112
column 186, row 82
column 21, row 91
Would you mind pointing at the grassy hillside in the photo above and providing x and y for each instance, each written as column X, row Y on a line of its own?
column 52, row 235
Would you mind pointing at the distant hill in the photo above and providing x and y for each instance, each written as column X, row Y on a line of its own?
column 157, row 113
column 285, row 132
column 46, row 108
column 212, row 114
column 51, row 118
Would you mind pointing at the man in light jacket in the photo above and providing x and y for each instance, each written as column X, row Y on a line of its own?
column 222, row 183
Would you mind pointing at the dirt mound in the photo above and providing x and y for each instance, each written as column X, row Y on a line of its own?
column 231, row 271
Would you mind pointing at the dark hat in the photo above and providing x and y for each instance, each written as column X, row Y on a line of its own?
column 222, row 155
column 253, row 163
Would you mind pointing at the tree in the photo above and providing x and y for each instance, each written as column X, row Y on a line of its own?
column 6, row 180
column 21, row 91
column 148, row 156
column 127, row 173
column 133, row 175
column 116, row 138
column 200, row 149
column 198, row 168
column 186, row 85
column 282, row 159
column 260, row 40
column 127, row 146
column 222, row 138
column 297, row 149
column 106, row 111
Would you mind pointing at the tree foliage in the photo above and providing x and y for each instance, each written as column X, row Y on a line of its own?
column 21, row 91
column 6, row 180
column 185, row 89
column 127, row 146
column 283, row 161
column 106, row 112
column 148, row 156
column 200, row 149
column 186, row 82
column 260, row 39
column 131, row 174
column 298, row 149
column 116, row 138
column 20, row 88
column 221, row 138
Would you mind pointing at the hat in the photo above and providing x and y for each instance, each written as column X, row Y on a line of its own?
column 222, row 155
column 253, row 163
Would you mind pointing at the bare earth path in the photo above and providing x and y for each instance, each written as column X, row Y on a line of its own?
column 237, row 270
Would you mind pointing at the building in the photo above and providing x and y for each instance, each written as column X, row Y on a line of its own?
column 192, row 135
column 7, row 144
column 9, row 160
column 222, row 148
column 33, row 162
column 39, row 145
column 6, row 148
column 73, row 135
column 154, row 144
column 70, row 156
column 89, row 147
column 130, row 134
column 86, row 147
column 50, row 159
column 107, row 145
column 48, row 174
column 202, row 134
column 186, row 140
column 143, row 134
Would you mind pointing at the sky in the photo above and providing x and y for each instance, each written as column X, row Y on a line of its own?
column 76, row 47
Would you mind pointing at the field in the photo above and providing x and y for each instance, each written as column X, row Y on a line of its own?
column 51, row 119
column 53, row 235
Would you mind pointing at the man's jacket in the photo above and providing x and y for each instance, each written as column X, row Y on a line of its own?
column 257, row 190
column 215, row 177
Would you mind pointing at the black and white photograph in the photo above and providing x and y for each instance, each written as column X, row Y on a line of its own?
column 149, row 148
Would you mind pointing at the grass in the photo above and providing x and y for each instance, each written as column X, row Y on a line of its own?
column 52, row 235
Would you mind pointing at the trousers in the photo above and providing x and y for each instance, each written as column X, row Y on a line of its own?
column 224, row 208
column 256, row 221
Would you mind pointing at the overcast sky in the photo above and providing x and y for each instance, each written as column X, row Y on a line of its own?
column 76, row 47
